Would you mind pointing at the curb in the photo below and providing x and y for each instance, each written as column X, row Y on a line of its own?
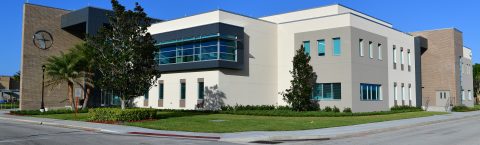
column 58, row 125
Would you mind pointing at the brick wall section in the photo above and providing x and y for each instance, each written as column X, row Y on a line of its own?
column 42, row 18
column 440, row 64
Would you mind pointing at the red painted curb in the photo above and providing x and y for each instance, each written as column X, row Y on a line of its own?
column 175, row 135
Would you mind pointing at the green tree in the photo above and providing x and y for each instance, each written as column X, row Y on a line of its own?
column 476, row 79
column 16, row 76
column 124, row 53
column 300, row 92
column 85, row 64
column 65, row 68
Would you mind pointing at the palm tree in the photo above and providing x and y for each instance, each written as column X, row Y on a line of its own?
column 65, row 68
column 86, row 65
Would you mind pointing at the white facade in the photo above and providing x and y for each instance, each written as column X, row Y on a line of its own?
column 270, row 47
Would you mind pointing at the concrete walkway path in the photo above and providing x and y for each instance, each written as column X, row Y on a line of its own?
column 245, row 137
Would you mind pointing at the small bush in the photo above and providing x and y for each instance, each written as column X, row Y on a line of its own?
column 37, row 112
column 328, row 109
column 462, row 108
column 248, row 107
column 335, row 109
column 283, row 108
column 347, row 110
column 406, row 108
column 117, row 114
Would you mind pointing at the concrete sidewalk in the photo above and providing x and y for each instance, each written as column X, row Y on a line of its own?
column 244, row 137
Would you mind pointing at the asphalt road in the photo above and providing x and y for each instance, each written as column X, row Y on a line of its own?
column 458, row 132
column 13, row 133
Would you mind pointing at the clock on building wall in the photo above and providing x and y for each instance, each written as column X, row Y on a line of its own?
column 42, row 39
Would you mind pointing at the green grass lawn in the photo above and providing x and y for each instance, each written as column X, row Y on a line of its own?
column 238, row 123
column 222, row 123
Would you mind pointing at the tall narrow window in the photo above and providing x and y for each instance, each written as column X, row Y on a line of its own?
column 409, row 61
column 403, row 92
column 395, row 91
column 370, row 49
column 410, row 92
column 336, row 47
column 306, row 47
column 380, row 57
column 463, row 95
column 401, row 55
column 394, row 57
column 160, row 91
column 183, row 91
column 321, row 47
column 469, row 95
column 146, row 95
column 360, row 47
column 201, row 90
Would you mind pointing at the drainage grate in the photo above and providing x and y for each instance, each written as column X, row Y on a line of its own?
column 266, row 142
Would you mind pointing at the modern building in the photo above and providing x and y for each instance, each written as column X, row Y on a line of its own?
column 362, row 62
column 447, row 78
column 221, row 58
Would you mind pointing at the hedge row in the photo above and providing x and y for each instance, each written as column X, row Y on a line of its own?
column 117, row 114
column 289, row 113
column 37, row 112
column 406, row 108
column 463, row 108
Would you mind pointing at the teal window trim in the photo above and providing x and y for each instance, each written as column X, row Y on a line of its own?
column 306, row 47
column 327, row 92
column 201, row 90
column 337, row 48
column 321, row 47
column 183, row 91
column 160, row 91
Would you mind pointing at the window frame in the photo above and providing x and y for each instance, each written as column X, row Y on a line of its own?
column 321, row 47
column 337, row 51
column 305, row 48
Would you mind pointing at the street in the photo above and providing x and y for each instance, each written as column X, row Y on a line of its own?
column 457, row 132
column 31, row 134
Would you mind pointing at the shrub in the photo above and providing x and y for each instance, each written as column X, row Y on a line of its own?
column 291, row 113
column 406, row 108
column 328, row 109
column 335, row 109
column 37, row 112
column 347, row 110
column 116, row 114
column 462, row 108
column 283, row 108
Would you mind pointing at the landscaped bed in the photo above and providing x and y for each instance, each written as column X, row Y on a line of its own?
column 219, row 122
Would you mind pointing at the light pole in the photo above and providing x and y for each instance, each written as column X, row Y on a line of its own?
column 42, row 107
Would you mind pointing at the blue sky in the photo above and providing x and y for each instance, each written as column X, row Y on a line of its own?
column 405, row 15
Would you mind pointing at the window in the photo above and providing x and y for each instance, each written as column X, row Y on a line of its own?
column 321, row 47
column 370, row 92
column 201, row 90
column 327, row 91
column 336, row 47
column 394, row 57
column 408, row 58
column 360, row 47
column 410, row 92
column 146, row 95
column 370, row 49
column 380, row 57
column 306, row 47
column 401, row 55
column 470, row 95
column 463, row 95
column 160, row 91
column 403, row 92
column 183, row 91
column 395, row 91
column 201, row 48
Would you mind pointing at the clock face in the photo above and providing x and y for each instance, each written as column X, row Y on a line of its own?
column 42, row 39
